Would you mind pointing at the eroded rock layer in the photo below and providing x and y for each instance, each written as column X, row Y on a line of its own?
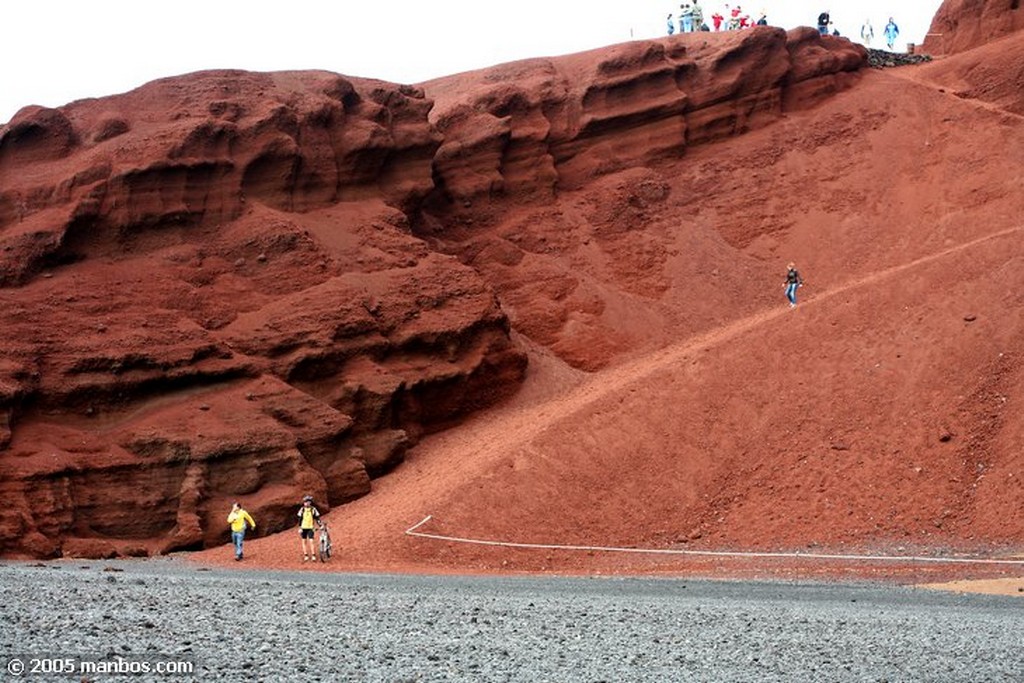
column 960, row 25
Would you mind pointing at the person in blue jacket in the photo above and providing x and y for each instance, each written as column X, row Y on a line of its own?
column 823, row 23
column 891, row 31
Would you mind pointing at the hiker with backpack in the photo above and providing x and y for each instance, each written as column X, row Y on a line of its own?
column 308, row 518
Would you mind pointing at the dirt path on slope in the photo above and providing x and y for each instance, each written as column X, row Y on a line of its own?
column 373, row 527
column 448, row 460
column 918, row 79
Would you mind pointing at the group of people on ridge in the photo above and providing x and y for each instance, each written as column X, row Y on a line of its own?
column 891, row 32
column 691, row 18
column 309, row 520
column 867, row 31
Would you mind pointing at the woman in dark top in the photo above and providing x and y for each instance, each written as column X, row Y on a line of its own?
column 793, row 281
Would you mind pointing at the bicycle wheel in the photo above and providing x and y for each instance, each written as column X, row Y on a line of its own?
column 325, row 548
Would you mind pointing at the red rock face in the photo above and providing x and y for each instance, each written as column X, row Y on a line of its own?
column 960, row 25
column 530, row 128
column 519, row 136
column 211, row 292
column 231, row 286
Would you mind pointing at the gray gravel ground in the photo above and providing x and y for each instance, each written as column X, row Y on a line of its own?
column 293, row 626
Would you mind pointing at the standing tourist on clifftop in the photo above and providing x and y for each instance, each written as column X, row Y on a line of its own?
column 239, row 520
column 823, row 21
column 698, row 16
column 685, row 18
column 891, row 31
column 735, row 20
column 867, row 32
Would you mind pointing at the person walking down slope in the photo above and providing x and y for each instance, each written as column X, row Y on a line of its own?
column 239, row 520
column 891, row 31
column 308, row 517
column 793, row 282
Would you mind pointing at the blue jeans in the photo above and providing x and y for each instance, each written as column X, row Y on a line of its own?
column 823, row 29
column 237, row 537
column 686, row 24
column 791, row 292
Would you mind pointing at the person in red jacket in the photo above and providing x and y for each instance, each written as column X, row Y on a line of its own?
column 734, row 17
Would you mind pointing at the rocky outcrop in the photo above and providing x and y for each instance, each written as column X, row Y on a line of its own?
column 231, row 285
column 990, row 72
column 196, row 151
column 960, row 25
column 211, row 292
column 883, row 59
column 526, row 129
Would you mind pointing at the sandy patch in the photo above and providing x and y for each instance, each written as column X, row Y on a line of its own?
column 1011, row 586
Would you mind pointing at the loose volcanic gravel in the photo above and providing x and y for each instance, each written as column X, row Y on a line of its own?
column 290, row 626
column 881, row 59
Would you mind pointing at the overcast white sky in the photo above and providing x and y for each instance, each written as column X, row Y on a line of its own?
column 54, row 52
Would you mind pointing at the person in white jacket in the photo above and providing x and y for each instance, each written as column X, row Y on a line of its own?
column 867, row 32
column 686, row 18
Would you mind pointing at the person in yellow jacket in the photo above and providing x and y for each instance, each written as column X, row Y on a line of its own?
column 308, row 518
column 239, row 520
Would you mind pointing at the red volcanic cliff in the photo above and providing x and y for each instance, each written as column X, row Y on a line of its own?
column 211, row 291
column 217, row 286
column 595, row 123
column 232, row 285
column 960, row 25
column 527, row 128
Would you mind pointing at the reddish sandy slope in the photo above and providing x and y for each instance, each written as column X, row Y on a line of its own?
column 881, row 416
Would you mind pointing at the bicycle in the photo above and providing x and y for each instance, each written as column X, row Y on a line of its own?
column 325, row 542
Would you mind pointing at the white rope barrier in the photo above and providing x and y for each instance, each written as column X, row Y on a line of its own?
column 667, row 355
column 910, row 559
